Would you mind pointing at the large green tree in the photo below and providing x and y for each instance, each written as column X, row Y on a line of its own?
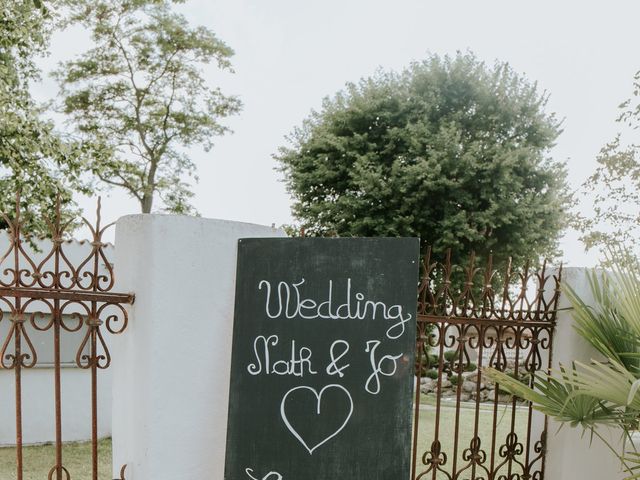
column 450, row 149
column 614, row 188
column 139, row 97
column 34, row 159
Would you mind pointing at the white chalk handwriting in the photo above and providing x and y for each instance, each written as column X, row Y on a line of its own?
column 268, row 476
column 297, row 365
column 285, row 300
column 333, row 368
column 377, row 367
column 318, row 395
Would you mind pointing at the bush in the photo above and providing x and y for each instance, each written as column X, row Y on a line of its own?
column 450, row 355
column 454, row 379
column 470, row 367
column 429, row 361
column 432, row 374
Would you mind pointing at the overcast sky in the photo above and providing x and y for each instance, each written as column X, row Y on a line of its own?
column 292, row 53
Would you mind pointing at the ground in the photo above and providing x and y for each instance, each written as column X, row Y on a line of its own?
column 77, row 456
column 39, row 460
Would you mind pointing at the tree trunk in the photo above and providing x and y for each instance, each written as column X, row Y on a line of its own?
column 149, row 188
column 147, row 202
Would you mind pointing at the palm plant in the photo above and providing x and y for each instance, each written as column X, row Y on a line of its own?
column 600, row 393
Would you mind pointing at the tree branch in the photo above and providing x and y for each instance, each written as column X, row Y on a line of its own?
column 123, row 184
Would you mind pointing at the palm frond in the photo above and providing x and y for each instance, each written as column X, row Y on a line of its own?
column 626, row 277
column 632, row 461
column 562, row 399
column 602, row 325
column 610, row 382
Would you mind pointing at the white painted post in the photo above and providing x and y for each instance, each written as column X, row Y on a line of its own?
column 171, row 366
column 570, row 454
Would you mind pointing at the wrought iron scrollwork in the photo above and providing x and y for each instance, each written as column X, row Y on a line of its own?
column 54, row 294
column 476, row 458
column 506, row 319
column 435, row 459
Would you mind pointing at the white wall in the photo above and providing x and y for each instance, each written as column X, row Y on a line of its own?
column 171, row 368
column 38, row 407
column 37, row 383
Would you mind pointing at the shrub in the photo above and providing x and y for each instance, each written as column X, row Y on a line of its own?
column 432, row 374
column 450, row 355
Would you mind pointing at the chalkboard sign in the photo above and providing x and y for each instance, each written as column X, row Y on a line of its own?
column 321, row 371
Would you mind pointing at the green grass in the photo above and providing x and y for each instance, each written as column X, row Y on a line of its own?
column 77, row 456
column 38, row 460
column 466, row 427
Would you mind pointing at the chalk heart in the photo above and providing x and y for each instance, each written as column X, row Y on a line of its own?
column 305, row 390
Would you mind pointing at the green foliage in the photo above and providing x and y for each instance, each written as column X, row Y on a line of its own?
column 450, row 150
column 455, row 379
column 432, row 374
column 523, row 378
column 451, row 355
column 433, row 360
column 431, row 363
column 427, row 360
column 599, row 393
column 34, row 159
column 603, row 324
column 613, row 187
column 138, row 97
column 559, row 398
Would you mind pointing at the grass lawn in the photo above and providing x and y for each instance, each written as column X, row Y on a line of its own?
column 77, row 456
column 466, row 429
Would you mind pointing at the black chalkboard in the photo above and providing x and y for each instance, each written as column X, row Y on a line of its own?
column 321, row 371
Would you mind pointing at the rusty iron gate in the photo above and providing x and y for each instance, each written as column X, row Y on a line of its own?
column 471, row 317
column 53, row 294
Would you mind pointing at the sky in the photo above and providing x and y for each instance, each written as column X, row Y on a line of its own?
column 290, row 54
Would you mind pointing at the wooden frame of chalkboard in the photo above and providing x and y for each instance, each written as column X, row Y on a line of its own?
column 322, row 363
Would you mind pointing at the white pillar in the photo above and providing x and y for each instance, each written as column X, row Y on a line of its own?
column 570, row 454
column 171, row 366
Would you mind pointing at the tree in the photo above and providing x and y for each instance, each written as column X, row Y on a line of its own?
column 613, row 188
column 449, row 150
column 138, row 96
column 34, row 159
